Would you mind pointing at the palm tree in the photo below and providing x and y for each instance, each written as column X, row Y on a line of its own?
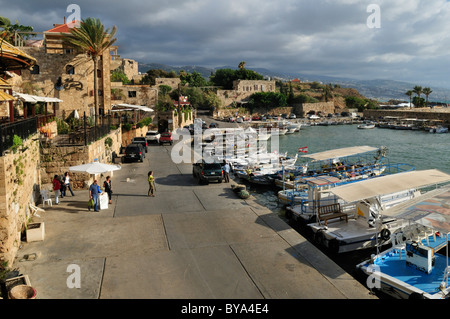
column 92, row 38
column 427, row 92
column 410, row 93
column 418, row 90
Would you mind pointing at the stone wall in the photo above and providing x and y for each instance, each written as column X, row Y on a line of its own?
column 57, row 160
column 75, row 90
column 323, row 107
column 442, row 114
column 19, row 186
column 242, row 90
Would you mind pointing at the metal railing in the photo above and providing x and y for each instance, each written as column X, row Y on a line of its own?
column 23, row 129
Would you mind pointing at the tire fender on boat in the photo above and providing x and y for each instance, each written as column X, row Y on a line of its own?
column 385, row 234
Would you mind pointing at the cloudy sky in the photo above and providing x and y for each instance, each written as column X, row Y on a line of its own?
column 409, row 42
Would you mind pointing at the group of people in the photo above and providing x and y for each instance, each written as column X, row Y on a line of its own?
column 60, row 186
column 95, row 191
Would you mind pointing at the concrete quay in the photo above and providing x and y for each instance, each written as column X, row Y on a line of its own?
column 189, row 242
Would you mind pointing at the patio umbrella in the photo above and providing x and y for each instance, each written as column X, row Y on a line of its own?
column 94, row 168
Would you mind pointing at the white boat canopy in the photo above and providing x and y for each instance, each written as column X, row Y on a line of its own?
column 131, row 106
column 340, row 152
column 431, row 209
column 389, row 184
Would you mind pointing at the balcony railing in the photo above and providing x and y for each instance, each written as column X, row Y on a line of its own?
column 23, row 129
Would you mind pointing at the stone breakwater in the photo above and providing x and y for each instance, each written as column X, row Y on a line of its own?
column 438, row 113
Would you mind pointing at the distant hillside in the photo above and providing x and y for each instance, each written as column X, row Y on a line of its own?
column 382, row 90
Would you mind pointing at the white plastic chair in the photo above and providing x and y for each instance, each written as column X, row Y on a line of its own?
column 46, row 197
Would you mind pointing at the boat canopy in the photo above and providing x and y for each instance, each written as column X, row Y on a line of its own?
column 340, row 152
column 431, row 209
column 389, row 184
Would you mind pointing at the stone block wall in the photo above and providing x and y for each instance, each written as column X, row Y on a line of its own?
column 57, row 160
column 440, row 114
column 323, row 107
column 19, row 186
column 75, row 90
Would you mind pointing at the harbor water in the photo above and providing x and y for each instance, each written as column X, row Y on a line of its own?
column 422, row 150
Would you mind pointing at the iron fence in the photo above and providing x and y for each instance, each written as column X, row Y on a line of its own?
column 23, row 129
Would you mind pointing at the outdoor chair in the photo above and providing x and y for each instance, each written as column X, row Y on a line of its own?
column 46, row 197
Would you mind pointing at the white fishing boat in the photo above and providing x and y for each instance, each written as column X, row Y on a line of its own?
column 417, row 264
column 359, row 223
column 439, row 129
column 366, row 126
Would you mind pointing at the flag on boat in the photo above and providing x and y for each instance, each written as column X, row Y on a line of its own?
column 303, row 149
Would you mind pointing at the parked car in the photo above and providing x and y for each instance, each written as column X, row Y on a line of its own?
column 152, row 137
column 240, row 120
column 292, row 116
column 166, row 137
column 134, row 152
column 206, row 172
column 213, row 125
column 141, row 140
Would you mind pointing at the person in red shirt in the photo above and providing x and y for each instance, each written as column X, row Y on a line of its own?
column 56, row 188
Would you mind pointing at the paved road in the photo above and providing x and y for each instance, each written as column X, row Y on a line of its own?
column 189, row 242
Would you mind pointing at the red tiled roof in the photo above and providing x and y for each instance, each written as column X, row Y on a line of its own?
column 63, row 28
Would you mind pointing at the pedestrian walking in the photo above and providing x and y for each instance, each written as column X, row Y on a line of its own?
column 63, row 186
column 56, row 188
column 66, row 182
column 151, row 184
column 226, row 172
column 108, row 187
column 94, row 191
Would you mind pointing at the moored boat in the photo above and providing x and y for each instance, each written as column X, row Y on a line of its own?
column 417, row 264
column 365, row 225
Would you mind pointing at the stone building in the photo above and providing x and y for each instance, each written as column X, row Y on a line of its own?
column 66, row 74
column 242, row 90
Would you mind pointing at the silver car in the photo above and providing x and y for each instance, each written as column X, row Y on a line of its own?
column 152, row 137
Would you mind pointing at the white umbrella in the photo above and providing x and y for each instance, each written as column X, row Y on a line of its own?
column 94, row 168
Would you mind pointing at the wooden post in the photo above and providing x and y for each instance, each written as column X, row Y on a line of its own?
column 11, row 108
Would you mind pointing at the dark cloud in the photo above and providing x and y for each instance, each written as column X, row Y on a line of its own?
column 327, row 37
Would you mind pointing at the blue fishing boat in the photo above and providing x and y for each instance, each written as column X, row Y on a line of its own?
column 417, row 264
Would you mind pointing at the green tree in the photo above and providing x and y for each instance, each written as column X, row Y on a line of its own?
column 353, row 102
column 119, row 76
column 418, row 90
column 427, row 91
column 241, row 65
column 419, row 101
column 266, row 101
column 92, row 38
column 150, row 77
column 226, row 77
column 410, row 94
column 164, row 90
column 193, row 79
column 8, row 30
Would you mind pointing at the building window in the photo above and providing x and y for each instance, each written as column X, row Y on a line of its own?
column 35, row 69
column 68, row 51
column 70, row 69
column 99, row 73
column 131, row 93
